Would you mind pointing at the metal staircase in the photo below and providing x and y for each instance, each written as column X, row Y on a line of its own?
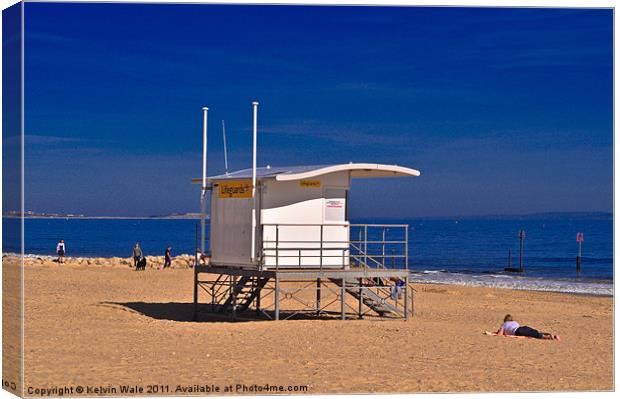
column 243, row 292
column 369, row 297
column 360, row 258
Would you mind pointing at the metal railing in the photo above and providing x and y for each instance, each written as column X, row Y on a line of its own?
column 298, row 246
column 382, row 246
column 334, row 246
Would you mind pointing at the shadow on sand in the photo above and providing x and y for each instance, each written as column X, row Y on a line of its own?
column 184, row 312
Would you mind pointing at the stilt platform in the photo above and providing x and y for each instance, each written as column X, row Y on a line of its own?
column 354, row 293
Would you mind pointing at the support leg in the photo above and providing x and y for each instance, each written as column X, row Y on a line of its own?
column 195, row 295
column 343, row 298
column 258, row 302
column 407, row 298
column 277, row 298
column 318, row 296
column 360, row 300
column 412, row 302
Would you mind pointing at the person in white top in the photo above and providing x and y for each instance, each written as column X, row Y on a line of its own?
column 60, row 250
column 511, row 327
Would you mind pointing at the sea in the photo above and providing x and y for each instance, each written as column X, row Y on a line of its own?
column 468, row 251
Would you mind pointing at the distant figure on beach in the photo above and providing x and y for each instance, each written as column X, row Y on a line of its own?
column 397, row 289
column 141, row 265
column 202, row 259
column 60, row 250
column 137, row 254
column 167, row 258
column 511, row 327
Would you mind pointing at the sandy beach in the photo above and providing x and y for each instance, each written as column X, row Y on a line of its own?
column 103, row 326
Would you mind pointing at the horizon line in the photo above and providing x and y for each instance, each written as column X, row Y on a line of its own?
column 196, row 215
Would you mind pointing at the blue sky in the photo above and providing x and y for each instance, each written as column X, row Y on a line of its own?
column 11, row 107
column 505, row 111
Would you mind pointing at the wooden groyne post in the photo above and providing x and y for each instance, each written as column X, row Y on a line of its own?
column 579, row 242
column 521, row 238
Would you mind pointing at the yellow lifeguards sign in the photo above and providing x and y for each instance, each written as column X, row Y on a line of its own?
column 235, row 189
column 310, row 183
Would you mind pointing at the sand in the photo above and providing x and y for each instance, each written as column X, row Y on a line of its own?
column 105, row 326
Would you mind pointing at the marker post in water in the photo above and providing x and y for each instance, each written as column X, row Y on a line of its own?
column 521, row 238
column 509, row 268
column 579, row 241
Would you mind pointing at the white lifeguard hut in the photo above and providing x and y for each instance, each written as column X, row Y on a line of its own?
column 276, row 224
column 297, row 209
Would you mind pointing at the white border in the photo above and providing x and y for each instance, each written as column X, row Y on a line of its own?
column 479, row 3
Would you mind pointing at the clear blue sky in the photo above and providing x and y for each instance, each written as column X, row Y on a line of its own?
column 504, row 111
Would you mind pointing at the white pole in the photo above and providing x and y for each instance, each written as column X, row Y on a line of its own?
column 254, row 124
column 225, row 151
column 203, row 197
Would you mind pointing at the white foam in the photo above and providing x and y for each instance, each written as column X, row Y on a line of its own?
column 516, row 283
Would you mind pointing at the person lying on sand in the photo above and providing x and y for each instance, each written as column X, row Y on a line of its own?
column 511, row 327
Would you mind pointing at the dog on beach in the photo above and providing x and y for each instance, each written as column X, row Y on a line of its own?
column 141, row 264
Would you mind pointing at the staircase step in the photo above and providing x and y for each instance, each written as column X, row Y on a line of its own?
column 371, row 299
column 244, row 292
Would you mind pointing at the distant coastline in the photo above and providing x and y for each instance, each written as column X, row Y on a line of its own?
column 532, row 216
column 38, row 215
column 525, row 216
column 196, row 216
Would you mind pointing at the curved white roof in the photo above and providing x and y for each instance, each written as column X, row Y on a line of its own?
column 287, row 173
column 356, row 169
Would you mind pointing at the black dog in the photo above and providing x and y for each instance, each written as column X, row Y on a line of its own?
column 141, row 264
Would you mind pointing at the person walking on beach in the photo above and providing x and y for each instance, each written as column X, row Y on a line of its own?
column 167, row 258
column 511, row 327
column 137, row 254
column 60, row 250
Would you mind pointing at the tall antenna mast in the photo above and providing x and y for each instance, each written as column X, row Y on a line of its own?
column 203, row 196
column 254, row 134
column 225, row 151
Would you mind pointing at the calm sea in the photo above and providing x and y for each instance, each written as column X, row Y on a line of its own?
column 470, row 251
